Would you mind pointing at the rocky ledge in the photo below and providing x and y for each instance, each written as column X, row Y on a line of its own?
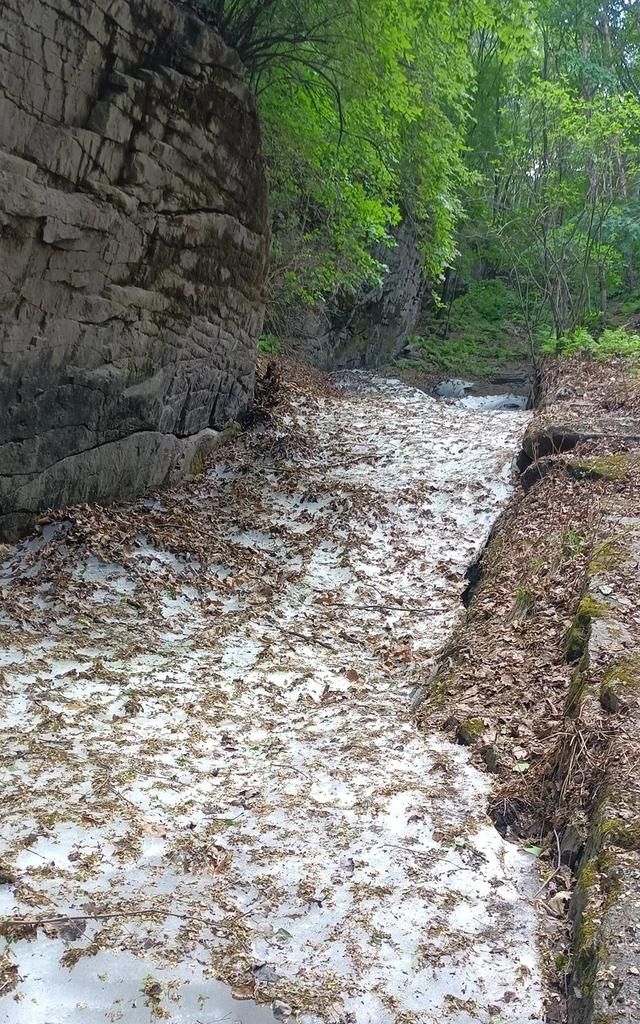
column 542, row 682
column 133, row 242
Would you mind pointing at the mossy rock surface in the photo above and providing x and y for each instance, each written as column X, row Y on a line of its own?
column 576, row 692
column 591, row 608
column 579, row 632
column 620, row 686
column 621, row 833
column 470, row 731
column 591, row 902
column 576, row 642
column 606, row 556
column 601, row 467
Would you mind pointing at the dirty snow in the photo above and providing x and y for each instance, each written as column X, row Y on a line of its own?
column 215, row 794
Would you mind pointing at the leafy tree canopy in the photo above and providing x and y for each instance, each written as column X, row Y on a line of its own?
column 364, row 110
column 507, row 132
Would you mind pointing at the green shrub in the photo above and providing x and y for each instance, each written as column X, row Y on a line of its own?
column 269, row 344
column 631, row 303
column 570, row 343
column 472, row 355
column 614, row 341
column 572, row 543
column 618, row 342
column 484, row 304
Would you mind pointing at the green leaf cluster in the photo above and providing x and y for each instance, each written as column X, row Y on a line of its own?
column 508, row 134
column 364, row 125
column 611, row 342
column 555, row 143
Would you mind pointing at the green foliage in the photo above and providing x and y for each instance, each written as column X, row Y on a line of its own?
column 364, row 115
column 509, row 134
column 618, row 342
column 485, row 300
column 471, row 356
column 482, row 329
column 570, row 343
column 269, row 344
column 555, row 144
column 612, row 342
column 484, row 309
column 631, row 303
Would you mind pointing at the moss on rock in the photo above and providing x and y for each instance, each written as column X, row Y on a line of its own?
column 470, row 731
column 587, row 940
column 623, row 834
column 620, row 685
column 590, row 607
column 578, row 635
column 601, row 467
column 576, row 692
column 607, row 555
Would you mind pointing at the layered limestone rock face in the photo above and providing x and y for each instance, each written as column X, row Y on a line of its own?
column 370, row 329
column 133, row 244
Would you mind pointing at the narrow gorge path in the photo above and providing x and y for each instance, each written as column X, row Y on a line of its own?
column 215, row 795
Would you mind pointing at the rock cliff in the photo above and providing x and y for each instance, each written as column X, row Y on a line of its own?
column 372, row 327
column 133, row 244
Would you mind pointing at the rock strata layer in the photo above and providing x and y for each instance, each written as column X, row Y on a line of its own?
column 367, row 329
column 133, row 244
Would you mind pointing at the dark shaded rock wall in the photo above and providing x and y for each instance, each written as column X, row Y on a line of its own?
column 133, row 244
column 372, row 328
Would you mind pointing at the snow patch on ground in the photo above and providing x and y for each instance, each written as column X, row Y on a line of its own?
column 216, row 794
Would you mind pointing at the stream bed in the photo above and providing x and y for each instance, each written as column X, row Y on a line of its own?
column 217, row 805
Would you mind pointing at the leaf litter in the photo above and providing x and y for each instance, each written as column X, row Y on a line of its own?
column 217, row 802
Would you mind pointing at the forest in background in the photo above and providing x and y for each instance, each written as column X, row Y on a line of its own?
column 507, row 133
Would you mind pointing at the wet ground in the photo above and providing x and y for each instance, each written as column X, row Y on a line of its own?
column 217, row 805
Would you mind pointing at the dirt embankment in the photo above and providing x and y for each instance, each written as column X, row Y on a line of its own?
column 543, row 681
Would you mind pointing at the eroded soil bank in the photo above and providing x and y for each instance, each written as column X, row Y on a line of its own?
column 542, row 680
column 217, row 795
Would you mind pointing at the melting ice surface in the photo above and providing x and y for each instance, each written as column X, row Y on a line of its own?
column 218, row 806
column 501, row 401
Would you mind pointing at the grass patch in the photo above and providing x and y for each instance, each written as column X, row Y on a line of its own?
column 572, row 543
column 198, row 463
